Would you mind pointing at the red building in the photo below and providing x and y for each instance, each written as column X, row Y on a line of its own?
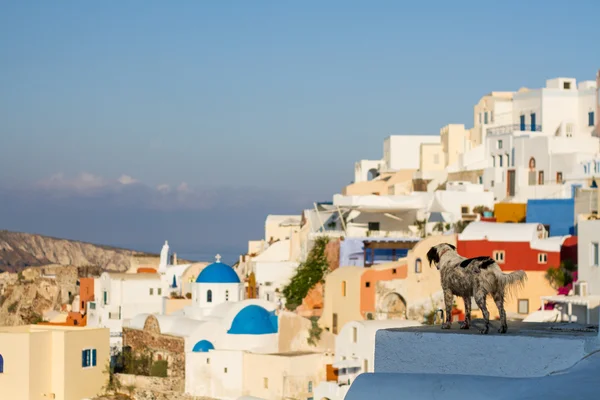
column 516, row 246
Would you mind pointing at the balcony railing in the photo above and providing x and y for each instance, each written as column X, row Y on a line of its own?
column 504, row 129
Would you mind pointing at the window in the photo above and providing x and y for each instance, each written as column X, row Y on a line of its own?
column 566, row 85
column 225, row 370
column 151, row 291
column 559, row 177
column 418, row 266
column 464, row 209
column 499, row 144
column 591, row 118
column 227, row 295
column 542, row 258
column 266, row 383
column 367, row 284
column 88, row 358
column 436, row 158
column 500, row 159
column 373, row 226
column 1, row 364
column 507, row 160
column 499, row 256
column 310, row 387
column 105, row 297
column 492, row 183
column 354, row 334
column 159, row 291
column 485, row 117
column 493, row 161
column 344, row 288
column 532, row 122
column 540, row 177
column 512, row 156
column 595, row 255
column 522, row 123
column 393, row 270
column 523, row 306
column 92, row 306
column 365, row 365
column 208, row 360
column 209, row 296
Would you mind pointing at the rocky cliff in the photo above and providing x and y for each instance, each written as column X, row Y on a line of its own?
column 21, row 250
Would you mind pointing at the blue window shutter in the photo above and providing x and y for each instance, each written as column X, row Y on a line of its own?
column 94, row 358
column 1, row 364
column 83, row 358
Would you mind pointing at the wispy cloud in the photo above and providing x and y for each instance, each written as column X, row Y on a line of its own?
column 128, row 191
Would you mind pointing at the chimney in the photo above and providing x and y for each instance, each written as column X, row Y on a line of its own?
column 174, row 259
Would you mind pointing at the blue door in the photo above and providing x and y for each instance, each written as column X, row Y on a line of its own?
column 532, row 122
column 522, row 123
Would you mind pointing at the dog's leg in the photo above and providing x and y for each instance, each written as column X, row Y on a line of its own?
column 448, row 300
column 480, row 300
column 499, row 300
column 467, row 323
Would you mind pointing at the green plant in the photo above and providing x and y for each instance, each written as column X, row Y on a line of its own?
column 159, row 368
column 188, row 295
column 460, row 226
column 308, row 274
column 314, row 334
column 35, row 319
column 421, row 223
column 130, row 389
column 561, row 276
column 481, row 209
column 13, row 307
column 113, row 385
column 439, row 227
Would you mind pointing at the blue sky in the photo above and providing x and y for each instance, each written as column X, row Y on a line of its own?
column 267, row 101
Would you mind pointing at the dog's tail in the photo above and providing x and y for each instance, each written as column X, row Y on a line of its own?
column 511, row 281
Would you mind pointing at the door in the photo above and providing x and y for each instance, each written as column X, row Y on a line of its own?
column 522, row 123
column 334, row 328
column 510, row 189
column 540, row 177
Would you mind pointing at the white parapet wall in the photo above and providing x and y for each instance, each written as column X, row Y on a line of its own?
column 528, row 350
column 579, row 382
column 548, row 361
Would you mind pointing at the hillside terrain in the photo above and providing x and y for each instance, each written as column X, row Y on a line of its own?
column 22, row 250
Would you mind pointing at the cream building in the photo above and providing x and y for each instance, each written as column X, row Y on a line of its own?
column 40, row 362
column 355, row 354
column 281, row 227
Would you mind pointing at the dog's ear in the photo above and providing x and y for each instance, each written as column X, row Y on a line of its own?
column 451, row 246
column 432, row 256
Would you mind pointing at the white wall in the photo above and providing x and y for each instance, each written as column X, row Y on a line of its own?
column 217, row 374
column 363, row 167
column 588, row 232
column 234, row 292
column 273, row 275
column 402, row 151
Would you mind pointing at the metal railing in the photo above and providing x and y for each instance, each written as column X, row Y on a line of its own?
column 504, row 129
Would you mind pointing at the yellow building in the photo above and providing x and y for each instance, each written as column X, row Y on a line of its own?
column 41, row 362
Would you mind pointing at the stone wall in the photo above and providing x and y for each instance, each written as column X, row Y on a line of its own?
column 332, row 253
column 152, row 383
column 465, row 176
column 164, row 347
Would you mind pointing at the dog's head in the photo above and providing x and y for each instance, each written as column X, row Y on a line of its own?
column 435, row 253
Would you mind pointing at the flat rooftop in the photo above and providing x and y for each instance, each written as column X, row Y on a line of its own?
column 45, row 328
column 515, row 328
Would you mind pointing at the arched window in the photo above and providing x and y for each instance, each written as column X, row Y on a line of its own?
column 227, row 295
column 209, row 296
column 1, row 364
column 532, row 163
column 418, row 266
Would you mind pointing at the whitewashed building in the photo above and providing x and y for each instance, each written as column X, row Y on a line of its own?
column 273, row 269
column 119, row 297
column 533, row 140
column 355, row 354
column 583, row 305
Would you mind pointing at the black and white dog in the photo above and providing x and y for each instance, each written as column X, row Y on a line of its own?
column 472, row 277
